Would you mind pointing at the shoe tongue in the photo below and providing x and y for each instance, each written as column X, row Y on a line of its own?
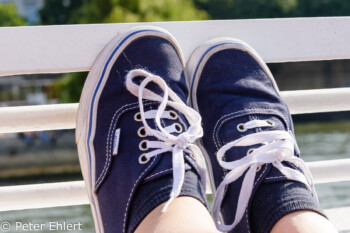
column 227, row 132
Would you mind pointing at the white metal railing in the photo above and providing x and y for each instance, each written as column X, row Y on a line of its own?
column 42, row 195
column 62, row 116
column 73, row 193
column 70, row 48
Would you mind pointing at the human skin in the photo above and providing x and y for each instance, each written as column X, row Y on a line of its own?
column 188, row 215
column 303, row 221
column 184, row 214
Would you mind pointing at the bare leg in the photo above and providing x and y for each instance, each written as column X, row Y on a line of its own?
column 303, row 221
column 185, row 214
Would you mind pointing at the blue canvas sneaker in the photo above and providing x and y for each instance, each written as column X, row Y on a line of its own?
column 134, row 130
column 248, row 133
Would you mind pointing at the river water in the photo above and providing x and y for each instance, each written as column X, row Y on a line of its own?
column 317, row 141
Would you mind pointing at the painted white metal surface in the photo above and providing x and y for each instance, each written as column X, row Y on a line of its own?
column 63, row 116
column 73, row 193
column 318, row 100
column 58, row 49
column 340, row 218
column 37, row 118
column 42, row 195
column 330, row 170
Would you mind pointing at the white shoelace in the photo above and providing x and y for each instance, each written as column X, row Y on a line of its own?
column 277, row 146
column 167, row 142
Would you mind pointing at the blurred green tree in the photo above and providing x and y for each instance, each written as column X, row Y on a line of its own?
column 60, row 12
column 112, row 11
column 247, row 9
column 9, row 16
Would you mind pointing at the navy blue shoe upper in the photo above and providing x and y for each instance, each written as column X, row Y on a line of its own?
column 118, row 133
column 230, row 87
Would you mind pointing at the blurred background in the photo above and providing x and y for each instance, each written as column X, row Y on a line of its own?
column 40, row 157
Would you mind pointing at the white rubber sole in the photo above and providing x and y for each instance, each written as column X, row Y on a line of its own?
column 86, row 116
column 194, row 68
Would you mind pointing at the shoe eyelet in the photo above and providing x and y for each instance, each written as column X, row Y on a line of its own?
column 271, row 123
column 173, row 115
column 178, row 128
column 137, row 116
column 250, row 151
column 143, row 159
column 241, row 128
column 142, row 132
column 143, row 145
column 258, row 168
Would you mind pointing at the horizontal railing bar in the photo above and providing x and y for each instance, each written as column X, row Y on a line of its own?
column 328, row 171
column 37, row 118
column 42, row 195
column 63, row 116
column 73, row 193
column 71, row 48
column 318, row 100
column 340, row 218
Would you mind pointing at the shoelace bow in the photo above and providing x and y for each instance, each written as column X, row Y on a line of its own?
column 167, row 142
column 277, row 146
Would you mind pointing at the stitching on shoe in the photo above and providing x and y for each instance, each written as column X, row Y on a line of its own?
column 169, row 169
column 274, row 177
column 260, row 176
column 149, row 177
column 217, row 144
column 222, row 120
column 132, row 191
column 107, row 161
column 216, row 127
column 242, row 113
column 130, row 63
column 246, row 218
column 230, row 116
column 246, row 211
column 109, row 143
